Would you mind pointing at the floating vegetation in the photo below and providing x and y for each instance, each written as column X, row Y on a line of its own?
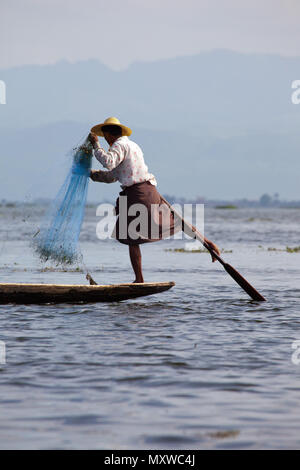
column 227, row 206
column 198, row 250
column 224, row 434
column 296, row 249
column 275, row 249
column 62, row 270
column 259, row 219
column 287, row 249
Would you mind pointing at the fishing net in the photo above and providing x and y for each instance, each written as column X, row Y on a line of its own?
column 58, row 236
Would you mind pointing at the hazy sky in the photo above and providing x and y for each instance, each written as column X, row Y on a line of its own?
column 119, row 32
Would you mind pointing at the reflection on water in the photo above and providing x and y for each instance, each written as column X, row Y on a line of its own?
column 199, row 366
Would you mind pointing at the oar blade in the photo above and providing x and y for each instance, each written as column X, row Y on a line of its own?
column 251, row 291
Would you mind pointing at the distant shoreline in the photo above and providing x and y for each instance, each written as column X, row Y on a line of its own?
column 211, row 203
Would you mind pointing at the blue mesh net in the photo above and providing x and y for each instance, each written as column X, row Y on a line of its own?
column 58, row 237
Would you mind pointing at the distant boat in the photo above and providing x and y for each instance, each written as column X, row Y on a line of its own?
column 19, row 293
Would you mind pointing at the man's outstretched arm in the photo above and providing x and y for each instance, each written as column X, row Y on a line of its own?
column 102, row 176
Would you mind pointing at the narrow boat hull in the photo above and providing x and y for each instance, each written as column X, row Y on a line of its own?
column 70, row 293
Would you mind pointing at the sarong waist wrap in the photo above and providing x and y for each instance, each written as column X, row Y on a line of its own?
column 143, row 217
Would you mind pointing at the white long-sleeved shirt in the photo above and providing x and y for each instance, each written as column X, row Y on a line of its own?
column 125, row 162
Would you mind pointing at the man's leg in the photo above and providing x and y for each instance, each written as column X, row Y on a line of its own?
column 136, row 262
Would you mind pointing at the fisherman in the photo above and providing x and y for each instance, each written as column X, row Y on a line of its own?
column 125, row 163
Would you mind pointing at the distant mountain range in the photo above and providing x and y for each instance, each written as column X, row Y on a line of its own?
column 217, row 125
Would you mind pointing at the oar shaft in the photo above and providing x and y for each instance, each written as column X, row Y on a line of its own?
column 192, row 232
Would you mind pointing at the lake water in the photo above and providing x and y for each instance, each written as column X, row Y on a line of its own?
column 198, row 367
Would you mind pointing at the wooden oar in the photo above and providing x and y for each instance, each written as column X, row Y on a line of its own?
column 191, row 231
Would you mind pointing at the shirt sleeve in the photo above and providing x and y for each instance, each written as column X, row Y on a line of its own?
column 112, row 158
column 103, row 176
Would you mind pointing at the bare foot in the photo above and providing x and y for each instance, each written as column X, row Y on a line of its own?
column 137, row 281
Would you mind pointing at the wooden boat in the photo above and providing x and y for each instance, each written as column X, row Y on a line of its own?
column 69, row 293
